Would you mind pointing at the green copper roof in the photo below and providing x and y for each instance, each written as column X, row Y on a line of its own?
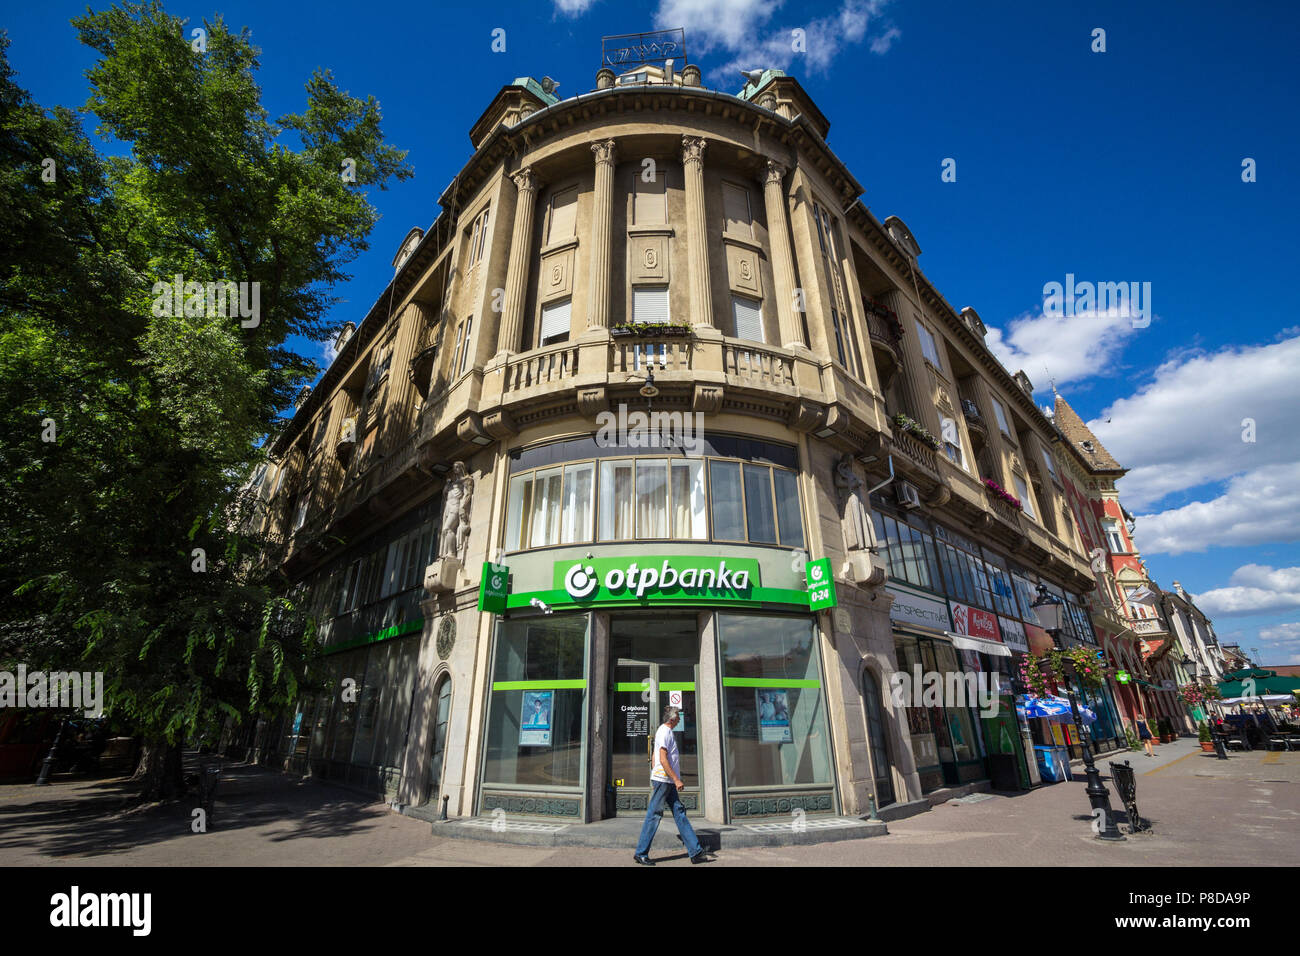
column 750, row 89
column 532, row 86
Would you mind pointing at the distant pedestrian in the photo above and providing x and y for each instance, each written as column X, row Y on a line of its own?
column 666, row 781
column 1144, row 734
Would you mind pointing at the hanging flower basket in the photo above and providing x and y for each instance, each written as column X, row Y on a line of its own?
column 1088, row 670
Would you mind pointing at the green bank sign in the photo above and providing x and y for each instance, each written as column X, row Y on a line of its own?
column 657, row 578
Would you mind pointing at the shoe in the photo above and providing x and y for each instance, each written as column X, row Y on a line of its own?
column 643, row 860
column 703, row 857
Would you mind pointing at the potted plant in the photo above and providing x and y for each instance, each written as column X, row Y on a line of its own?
column 1203, row 734
column 1166, row 731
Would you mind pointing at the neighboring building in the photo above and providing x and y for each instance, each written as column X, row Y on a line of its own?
column 1126, row 606
column 1234, row 658
column 656, row 247
column 1195, row 634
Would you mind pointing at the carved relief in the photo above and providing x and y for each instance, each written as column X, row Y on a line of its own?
column 556, row 280
column 604, row 152
column 526, row 180
column 456, row 495
column 693, row 149
column 648, row 258
column 742, row 270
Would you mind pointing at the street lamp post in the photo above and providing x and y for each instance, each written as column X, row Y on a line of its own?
column 1049, row 608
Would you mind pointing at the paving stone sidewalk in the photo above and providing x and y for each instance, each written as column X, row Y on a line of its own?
column 1204, row 811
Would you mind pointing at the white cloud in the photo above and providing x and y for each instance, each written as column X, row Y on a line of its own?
column 1258, row 507
column 1254, row 589
column 1063, row 349
column 1284, row 641
column 752, row 34
column 1185, row 428
column 574, row 8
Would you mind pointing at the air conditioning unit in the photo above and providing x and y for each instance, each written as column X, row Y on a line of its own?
column 907, row 495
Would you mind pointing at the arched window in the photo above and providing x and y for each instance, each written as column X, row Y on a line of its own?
column 442, row 713
column 877, row 739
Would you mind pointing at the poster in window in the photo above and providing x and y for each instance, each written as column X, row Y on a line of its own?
column 535, row 722
column 773, row 716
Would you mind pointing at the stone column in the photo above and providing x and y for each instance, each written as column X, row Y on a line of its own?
column 778, row 232
column 601, row 216
column 697, row 230
column 512, row 312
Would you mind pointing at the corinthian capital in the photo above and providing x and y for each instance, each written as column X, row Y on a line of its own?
column 526, row 180
column 693, row 149
column 773, row 174
column 604, row 152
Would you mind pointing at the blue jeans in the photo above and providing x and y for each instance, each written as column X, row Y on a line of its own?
column 666, row 793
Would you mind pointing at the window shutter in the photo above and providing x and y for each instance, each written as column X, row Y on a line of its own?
column 648, row 204
column 555, row 319
column 650, row 304
column 749, row 318
column 735, row 207
column 564, row 208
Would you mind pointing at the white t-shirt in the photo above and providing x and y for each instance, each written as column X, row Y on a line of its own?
column 666, row 739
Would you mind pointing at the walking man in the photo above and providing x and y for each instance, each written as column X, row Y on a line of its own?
column 666, row 781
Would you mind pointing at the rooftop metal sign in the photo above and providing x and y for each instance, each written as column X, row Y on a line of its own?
column 626, row 52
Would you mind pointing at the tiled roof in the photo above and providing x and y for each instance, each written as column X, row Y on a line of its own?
column 1077, row 433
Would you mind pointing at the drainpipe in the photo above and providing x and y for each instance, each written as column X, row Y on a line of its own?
column 887, row 481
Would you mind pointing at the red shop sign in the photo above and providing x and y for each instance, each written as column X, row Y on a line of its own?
column 973, row 622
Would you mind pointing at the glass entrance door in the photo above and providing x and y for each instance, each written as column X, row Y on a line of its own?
column 653, row 664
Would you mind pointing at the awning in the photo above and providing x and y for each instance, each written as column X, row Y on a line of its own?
column 980, row 644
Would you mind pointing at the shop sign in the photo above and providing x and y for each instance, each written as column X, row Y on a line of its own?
column 973, row 622
column 912, row 608
column 657, row 578
column 492, row 588
column 821, row 587
column 1013, row 635
column 1123, row 677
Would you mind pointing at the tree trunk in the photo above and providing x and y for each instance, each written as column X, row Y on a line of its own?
column 159, row 771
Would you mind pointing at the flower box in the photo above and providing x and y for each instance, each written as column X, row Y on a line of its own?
column 915, row 428
column 649, row 329
column 999, row 492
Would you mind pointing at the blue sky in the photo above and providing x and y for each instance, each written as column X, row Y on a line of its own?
column 1123, row 165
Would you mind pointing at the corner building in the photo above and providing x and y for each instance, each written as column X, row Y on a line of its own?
column 654, row 248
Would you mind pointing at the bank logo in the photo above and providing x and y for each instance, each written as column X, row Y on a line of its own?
column 581, row 581
column 816, row 573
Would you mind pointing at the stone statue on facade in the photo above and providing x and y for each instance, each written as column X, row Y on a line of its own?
column 860, row 566
column 453, row 537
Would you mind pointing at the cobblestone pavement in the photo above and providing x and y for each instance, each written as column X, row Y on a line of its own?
column 1243, row 811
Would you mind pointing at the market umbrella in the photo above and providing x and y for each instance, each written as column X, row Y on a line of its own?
column 1256, row 682
column 1053, row 708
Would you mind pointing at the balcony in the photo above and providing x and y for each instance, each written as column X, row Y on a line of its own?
column 542, row 369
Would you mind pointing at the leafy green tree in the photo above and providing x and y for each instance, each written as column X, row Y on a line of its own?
column 130, row 426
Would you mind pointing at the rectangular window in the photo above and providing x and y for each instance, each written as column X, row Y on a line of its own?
column 577, row 511
column 650, row 304
column 652, row 498
column 727, row 507
column 928, row 347
column 1001, row 416
column 534, row 732
column 649, row 200
column 464, row 356
column 1114, row 540
column 478, row 239
column 544, row 522
column 775, row 732
column 789, row 520
column 951, row 441
column 1051, row 464
column 759, row 514
column 555, row 322
column 521, row 507
column 735, row 210
column 319, row 436
column 563, row 215
column 821, row 230
column 460, row 345
column 748, row 316
column 689, row 517
column 1022, row 492
column 616, row 502
column 839, row 338
column 300, row 515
